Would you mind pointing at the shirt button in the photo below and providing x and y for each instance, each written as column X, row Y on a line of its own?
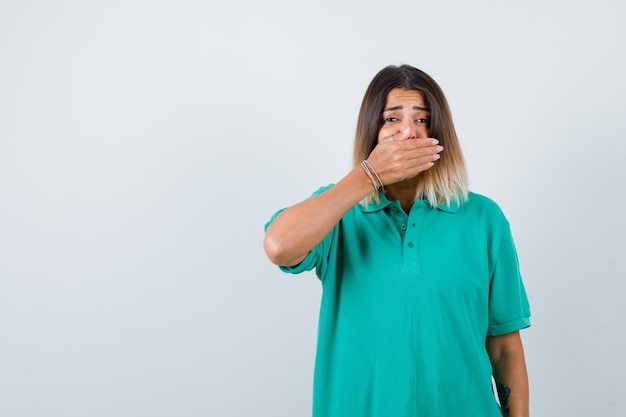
column 403, row 227
column 410, row 244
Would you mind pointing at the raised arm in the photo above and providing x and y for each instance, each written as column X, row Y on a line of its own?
column 301, row 227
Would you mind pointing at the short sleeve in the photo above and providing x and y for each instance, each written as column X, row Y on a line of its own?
column 318, row 256
column 509, row 309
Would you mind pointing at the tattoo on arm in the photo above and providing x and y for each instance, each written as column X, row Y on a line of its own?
column 503, row 395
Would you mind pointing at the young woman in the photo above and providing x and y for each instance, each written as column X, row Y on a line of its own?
column 422, row 295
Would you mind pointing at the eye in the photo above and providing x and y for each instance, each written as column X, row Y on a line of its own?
column 422, row 120
column 391, row 120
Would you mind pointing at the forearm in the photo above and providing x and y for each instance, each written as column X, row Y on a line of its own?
column 509, row 370
column 301, row 227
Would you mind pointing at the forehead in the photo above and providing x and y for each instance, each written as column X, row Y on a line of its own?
column 401, row 96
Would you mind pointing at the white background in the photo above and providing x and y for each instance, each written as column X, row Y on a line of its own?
column 143, row 145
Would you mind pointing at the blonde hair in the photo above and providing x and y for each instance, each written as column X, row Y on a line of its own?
column 447, row 180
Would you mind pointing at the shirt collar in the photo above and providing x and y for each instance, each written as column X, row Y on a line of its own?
column 384, row 202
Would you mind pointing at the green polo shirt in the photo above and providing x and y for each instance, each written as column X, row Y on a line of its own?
column 407, row 303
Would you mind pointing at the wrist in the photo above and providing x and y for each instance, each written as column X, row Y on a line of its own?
column 372, row 174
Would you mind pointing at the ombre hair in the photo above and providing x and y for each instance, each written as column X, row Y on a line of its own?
column 444, row 182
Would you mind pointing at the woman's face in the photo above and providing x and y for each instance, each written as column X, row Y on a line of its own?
column 405, row 116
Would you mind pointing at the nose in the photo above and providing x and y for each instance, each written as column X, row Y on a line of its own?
column 411, row 129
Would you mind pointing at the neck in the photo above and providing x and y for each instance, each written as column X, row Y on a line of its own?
column 403, row 191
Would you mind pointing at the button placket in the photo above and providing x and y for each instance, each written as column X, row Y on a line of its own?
column 413, row 235
column 399, row 219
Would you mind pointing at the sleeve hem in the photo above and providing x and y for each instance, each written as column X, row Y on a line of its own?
column 307, row 264
column 508, row 327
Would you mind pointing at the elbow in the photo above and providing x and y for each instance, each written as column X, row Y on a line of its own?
column 278, row 253
column 274, row 250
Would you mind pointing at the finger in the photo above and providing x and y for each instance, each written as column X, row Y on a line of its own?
column 424, row 159
column 430, row 153
column 415, row 143
column 414, row 149
column 420, row 165
column 423, row 142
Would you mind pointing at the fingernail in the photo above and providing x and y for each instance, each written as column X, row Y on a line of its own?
column 439, row 148
column 435, row 141
column 437, row 156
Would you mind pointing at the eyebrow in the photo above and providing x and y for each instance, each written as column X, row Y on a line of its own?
column 401, row 107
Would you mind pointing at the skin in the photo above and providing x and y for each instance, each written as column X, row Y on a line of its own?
column 509, row 370
column 301, row 227
column 406, row 118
